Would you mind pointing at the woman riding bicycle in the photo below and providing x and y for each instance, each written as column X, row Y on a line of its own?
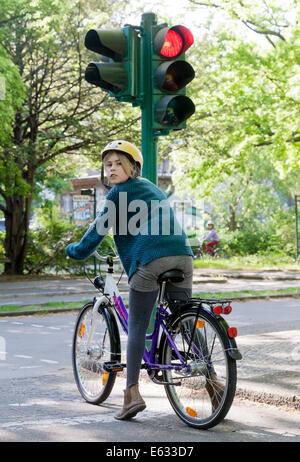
column 149, row 242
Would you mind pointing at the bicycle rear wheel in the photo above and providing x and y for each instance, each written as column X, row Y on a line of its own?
column 208, row 382
column 220, row 253
column 93, row 382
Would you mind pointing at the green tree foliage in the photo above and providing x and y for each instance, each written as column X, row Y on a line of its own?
column 12, row 90
column 47, row 243
column 61, row 114
column 242, row 148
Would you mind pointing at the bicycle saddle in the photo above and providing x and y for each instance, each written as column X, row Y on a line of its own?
column 173, row 275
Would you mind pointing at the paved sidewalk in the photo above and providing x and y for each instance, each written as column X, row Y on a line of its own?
column 270, row 370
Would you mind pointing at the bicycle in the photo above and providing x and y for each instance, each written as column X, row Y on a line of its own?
column 217, row 252
column 187, row 347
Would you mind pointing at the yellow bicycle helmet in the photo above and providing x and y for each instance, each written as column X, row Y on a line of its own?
column 126, row 148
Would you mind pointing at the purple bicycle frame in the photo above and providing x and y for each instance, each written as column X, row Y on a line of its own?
column 149, row 356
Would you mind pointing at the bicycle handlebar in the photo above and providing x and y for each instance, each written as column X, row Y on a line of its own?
column 104, row 259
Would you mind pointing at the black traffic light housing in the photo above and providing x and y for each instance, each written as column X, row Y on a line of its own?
column 171, row 73
column 117, row 72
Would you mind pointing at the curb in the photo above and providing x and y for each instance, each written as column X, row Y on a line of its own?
column 272, row 399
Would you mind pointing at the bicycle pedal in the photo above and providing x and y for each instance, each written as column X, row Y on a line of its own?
column 113, row 366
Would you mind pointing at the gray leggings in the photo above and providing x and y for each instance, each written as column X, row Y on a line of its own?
column 141, row 305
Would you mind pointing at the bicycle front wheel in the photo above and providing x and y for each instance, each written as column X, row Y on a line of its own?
column 93, row 381
column 201, row 393
column 198, row 254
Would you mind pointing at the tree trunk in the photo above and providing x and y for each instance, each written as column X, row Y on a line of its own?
column 17, row 217
column 232, row 219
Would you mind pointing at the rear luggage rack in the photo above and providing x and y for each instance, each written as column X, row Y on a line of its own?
column 210, row 301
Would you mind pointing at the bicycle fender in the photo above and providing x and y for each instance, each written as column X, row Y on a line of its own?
column 107, row 311
column 231, row 348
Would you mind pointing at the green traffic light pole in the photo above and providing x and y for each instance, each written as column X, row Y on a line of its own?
column 149, row 140
column 95, row 215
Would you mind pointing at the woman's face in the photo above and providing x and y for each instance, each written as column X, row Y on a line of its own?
column 114, row 170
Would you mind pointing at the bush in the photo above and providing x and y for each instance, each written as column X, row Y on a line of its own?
column 47, row 248
column 261, row 242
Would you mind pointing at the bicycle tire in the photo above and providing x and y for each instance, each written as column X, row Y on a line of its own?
column 191, row 400
column 93, row 382
column 220, row 253
column 198, row 254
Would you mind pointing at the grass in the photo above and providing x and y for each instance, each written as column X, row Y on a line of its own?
column 44, row 307
column 261, row 262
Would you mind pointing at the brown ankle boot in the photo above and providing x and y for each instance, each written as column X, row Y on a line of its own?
column 133, row 403
column 215, row 390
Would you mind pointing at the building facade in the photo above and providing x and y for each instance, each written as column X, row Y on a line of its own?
column 87, row 198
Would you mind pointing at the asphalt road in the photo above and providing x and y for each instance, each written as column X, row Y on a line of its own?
column 40, row 401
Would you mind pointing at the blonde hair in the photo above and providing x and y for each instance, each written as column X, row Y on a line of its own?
column 131, row 169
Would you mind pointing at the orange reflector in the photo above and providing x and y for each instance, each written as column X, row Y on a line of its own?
column 218, row 309
column 191, row 412
column 200, row 324
column 232, row 332
column 81, row 331
column 104, row 377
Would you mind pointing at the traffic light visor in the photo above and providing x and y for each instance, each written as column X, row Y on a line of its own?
column 173, row 110
column 173, row 75
column 172, row 42
column 110, row 43
column 109, row 76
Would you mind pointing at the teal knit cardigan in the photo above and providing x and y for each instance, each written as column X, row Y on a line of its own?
column 143, row 223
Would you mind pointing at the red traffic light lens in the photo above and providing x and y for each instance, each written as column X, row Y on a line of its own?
column 172, row 42
column 172, row 45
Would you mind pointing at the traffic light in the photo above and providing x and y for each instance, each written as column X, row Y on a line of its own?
column 170, row 75
column 118, row 71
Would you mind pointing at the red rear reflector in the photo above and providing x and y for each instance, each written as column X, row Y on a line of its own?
column 172, row 45
column 227, row 309
column 232, row 332
column 218, row 310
